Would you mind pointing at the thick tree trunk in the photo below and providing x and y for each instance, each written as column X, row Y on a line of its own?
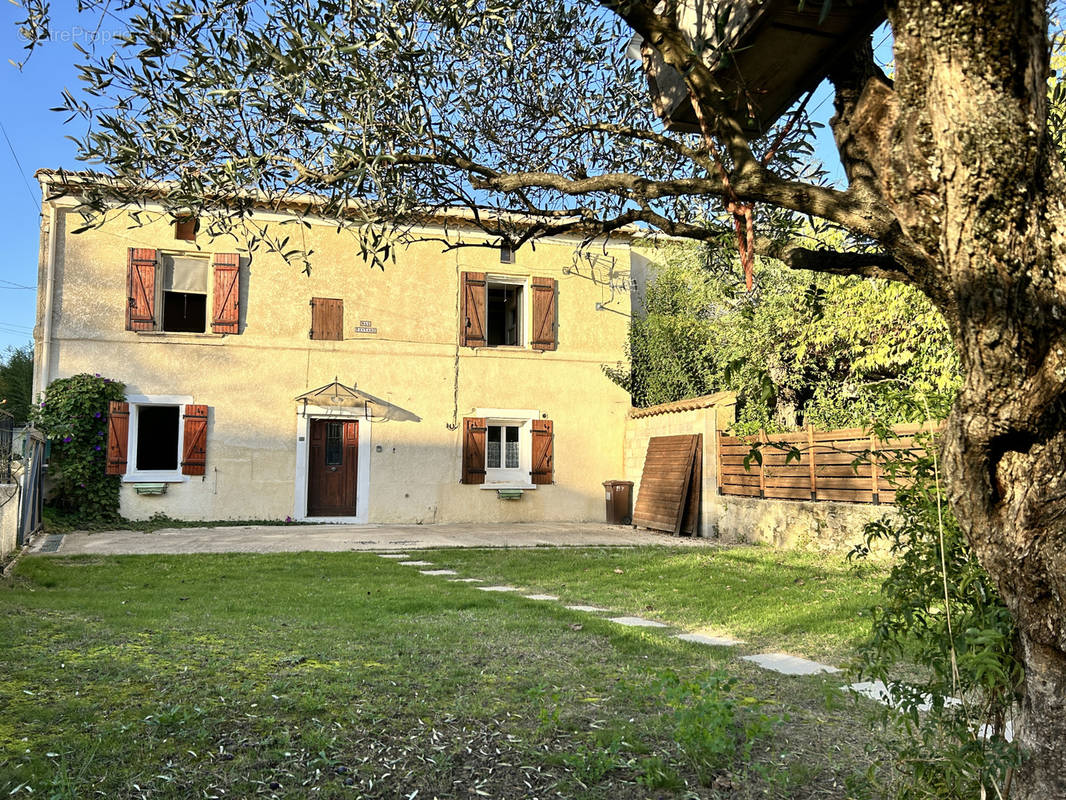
column 958, row 149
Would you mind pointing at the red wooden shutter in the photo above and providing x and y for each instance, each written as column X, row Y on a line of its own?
column 226, row 317
column 543, row 452
column 543, row 314
column 194, row 451
column 185, row 229
column 472, row 315
column 118, row 434
column 140, row 290
column 473, row 450
column 327, row 318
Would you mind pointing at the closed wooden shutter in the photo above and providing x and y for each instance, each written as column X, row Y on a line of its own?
column 669, row 477
column 118, row 435
column 327, row 318
column 194, row 450
column 472, row 311
column 543, row 330
column 543, row 452
column 185, row 229
column 473, row 450
column 140, row 289
column 226, row 316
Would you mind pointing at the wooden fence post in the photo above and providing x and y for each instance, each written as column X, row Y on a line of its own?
column 810, row 457
column 718, row 459
column 762, row 463
column 873, row 470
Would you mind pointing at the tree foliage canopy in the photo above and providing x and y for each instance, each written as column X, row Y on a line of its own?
column 828, row 350
column 393, row 110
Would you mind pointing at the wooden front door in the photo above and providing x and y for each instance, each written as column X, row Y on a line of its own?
column 331, row 482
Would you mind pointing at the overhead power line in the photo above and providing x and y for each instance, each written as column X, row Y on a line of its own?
column 22, row 172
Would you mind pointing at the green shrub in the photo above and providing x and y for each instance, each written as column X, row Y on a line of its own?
column 73, row 415
column 943, row 643
column 713, row 728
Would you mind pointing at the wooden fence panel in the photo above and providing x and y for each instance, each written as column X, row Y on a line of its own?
column 843, row 465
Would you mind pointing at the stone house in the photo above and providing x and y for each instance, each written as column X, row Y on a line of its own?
column 460, row 384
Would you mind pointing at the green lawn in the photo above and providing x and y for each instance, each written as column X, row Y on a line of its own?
column 346, row 675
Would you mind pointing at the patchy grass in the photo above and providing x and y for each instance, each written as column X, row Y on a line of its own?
column 809, row 604
column 344, row 675
column 56, row 520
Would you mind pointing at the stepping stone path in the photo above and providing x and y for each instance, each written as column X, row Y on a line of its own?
column 778, row 662
column 789, row 665
column 712, row 641
column 637, row 622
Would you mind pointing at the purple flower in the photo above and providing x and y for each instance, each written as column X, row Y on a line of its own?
column 68, row 439
column 82, row 485
column 97, row 447
column 97, row 415
column 96, row 374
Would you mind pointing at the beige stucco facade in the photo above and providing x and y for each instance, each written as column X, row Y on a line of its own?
column 410, row 446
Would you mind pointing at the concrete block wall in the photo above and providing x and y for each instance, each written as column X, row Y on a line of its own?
column 701, row 415
column 796, row 524
column 9, row 518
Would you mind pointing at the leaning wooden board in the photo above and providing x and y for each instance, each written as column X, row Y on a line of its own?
column 667, row 482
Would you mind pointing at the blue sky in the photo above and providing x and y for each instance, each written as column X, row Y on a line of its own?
column 36, row 138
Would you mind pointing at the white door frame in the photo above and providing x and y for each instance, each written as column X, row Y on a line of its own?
column 304, row 415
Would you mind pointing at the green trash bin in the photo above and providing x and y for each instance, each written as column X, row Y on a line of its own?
column 619, row 495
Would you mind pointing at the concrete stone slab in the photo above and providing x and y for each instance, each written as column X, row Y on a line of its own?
column 876, row 690
column 395, row 555
column 588, row 609
column 789, row 665
column 438, row 572
column 368, row 538
column 638, row 622
column 497, row 588
column 466, row 580
column 540, row 597
column 711, row 641
column 415, row 563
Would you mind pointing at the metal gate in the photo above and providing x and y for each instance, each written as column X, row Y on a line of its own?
column 32, row 487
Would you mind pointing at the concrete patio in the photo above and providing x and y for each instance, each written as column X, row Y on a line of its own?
column 339, row 538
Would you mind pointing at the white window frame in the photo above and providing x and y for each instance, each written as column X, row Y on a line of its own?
column 136, row 401
column 526, row 310
column 501, row 477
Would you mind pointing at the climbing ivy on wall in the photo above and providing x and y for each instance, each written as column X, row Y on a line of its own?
column 73, row 415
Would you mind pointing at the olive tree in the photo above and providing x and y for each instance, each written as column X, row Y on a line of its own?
column 533, row 117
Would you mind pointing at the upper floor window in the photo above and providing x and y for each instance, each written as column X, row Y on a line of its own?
column 184, row 294
column 171, row 292
column 503, row 314
column 507, row 311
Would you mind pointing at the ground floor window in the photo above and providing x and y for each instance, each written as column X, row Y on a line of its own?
column 157, row 432
column 502, row 450
column 508, row 448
